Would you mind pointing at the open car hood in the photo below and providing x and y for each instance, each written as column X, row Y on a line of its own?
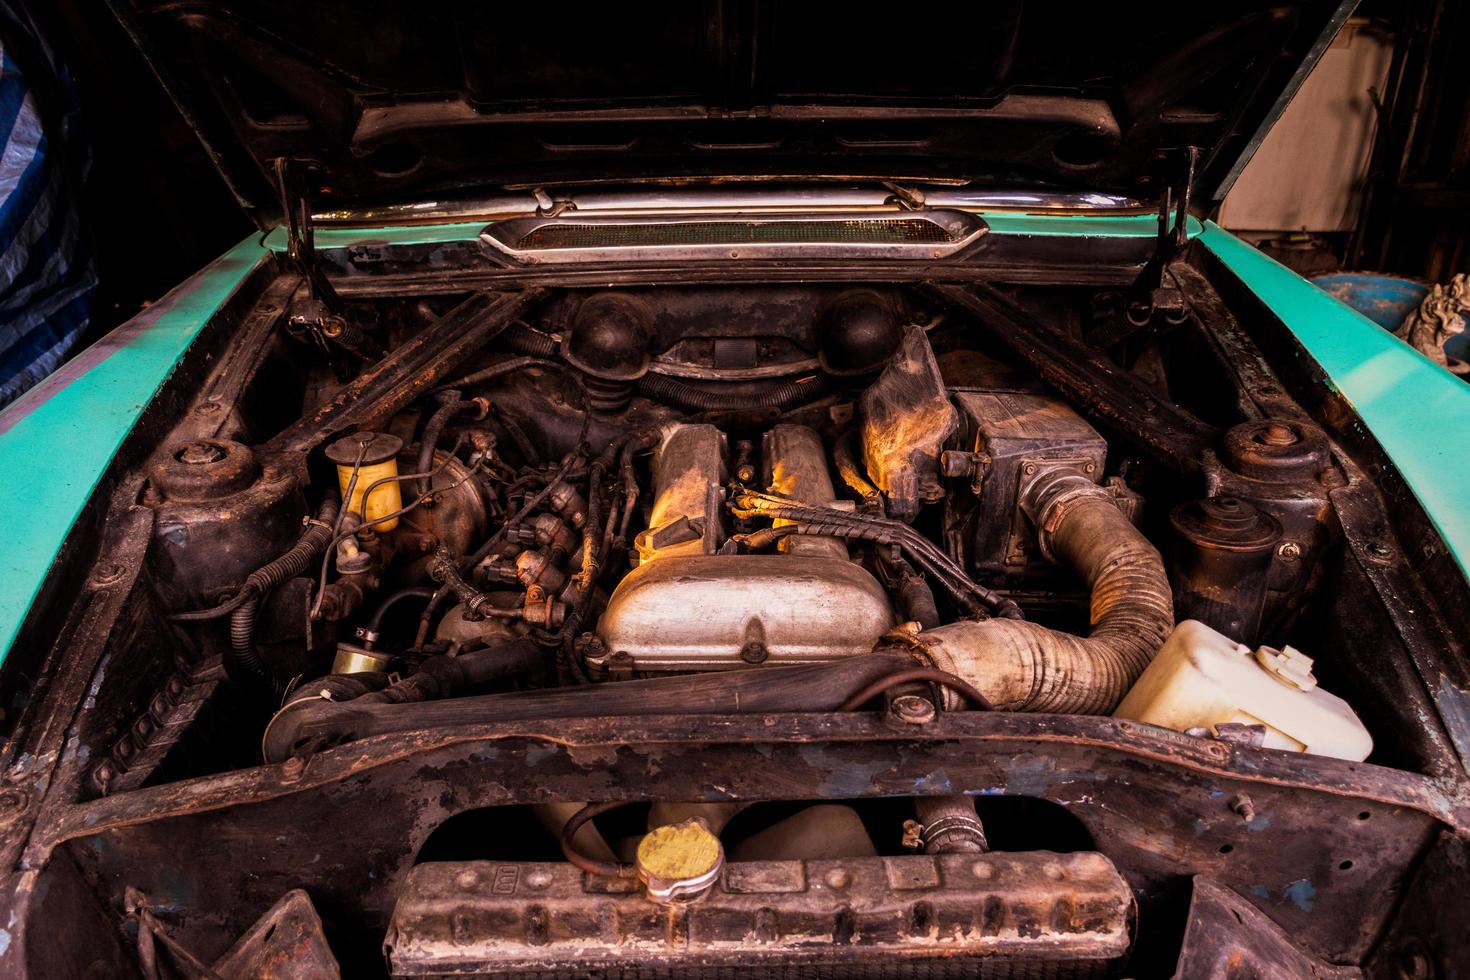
column 381, row 103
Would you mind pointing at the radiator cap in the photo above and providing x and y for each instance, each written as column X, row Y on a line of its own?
column 681, row 861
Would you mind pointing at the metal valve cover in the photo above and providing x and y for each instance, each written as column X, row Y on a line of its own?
column 706, row 612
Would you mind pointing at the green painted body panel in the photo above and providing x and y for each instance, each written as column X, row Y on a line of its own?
column 58, row 439
column 328, row 237
column 1418, row 412
column 64, row 433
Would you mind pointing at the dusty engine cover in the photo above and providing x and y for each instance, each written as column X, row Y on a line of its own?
column 707, row 612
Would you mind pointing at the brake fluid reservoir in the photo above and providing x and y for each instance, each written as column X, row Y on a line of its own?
column 1202, row 679
column 379, row 460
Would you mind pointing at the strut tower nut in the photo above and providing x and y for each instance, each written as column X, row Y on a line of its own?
column 679, row 862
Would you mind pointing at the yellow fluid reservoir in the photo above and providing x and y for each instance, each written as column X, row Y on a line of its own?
column 379, row 459
column 1202, row 679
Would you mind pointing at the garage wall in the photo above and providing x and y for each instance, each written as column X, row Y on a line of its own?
column 1308, row 173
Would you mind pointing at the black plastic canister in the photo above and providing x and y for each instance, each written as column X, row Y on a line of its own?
column 1222, row 557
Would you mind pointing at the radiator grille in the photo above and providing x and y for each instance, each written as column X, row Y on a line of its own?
column 959, row 968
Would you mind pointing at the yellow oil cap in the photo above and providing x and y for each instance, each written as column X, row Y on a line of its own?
column 379, row 459
column 681, row 861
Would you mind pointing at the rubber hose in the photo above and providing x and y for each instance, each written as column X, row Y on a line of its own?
column 443, row 676
column 817, row 687
column 662, row 388
column 450, row 406
column 417, row 591
column 524, row 340
column 917, row 600
column 264, row 580
column 1022, row 666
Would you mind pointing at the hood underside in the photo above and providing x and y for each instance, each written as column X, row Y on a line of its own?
column 390, row 102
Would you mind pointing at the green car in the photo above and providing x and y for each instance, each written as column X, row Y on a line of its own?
column 736, row 489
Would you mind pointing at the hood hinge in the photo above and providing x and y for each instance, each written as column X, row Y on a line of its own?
column 317, row 316
column 908, row 198
column 1154, row 291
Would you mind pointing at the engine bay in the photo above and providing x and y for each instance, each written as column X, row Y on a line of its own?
column 834, row 622
column 616, row 496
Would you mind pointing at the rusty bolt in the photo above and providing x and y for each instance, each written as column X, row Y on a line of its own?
column 1289, row 551
column 1278, row 434
column 1243, row 805
column 589, row 647
column 200, row 454
column 107, row 573
column 754, row 653
column 293, row 767
column 913, row 709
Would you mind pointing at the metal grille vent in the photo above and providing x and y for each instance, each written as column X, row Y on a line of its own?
column 883, row 231
column 928, row 235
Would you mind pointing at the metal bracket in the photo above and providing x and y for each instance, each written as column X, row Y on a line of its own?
column 908, row 198
column 1154, row 295
column 548, row 206
column 316, row 317
column 1154, row 292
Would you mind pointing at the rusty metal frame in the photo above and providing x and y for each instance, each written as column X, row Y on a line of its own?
column 356, row 816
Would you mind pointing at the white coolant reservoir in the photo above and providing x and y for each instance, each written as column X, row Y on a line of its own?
column 1201, row 679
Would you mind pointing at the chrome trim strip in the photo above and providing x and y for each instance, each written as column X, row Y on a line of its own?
column 705, row 200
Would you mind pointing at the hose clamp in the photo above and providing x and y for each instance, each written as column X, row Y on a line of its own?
column 1052, row 496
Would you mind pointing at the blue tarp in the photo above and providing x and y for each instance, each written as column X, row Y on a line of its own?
column 47, row 276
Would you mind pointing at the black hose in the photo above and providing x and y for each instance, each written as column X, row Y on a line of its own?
column 524, row 340
column 214, row 612
column 914, row 596
column 918, row 603
column 264, row 580
column 517, row 363
column 450, row 405
column 910, row 675
column 612, row 869
column 677, row 392
column 758, row 690
column 417, row 591
column 824, row 521
column 444, row 676
column 242, row 637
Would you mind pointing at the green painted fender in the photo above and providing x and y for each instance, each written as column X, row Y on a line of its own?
column 1418, row 411
column 58, row 439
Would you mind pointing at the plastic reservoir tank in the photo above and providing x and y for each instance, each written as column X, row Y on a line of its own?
column 1203, row 679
